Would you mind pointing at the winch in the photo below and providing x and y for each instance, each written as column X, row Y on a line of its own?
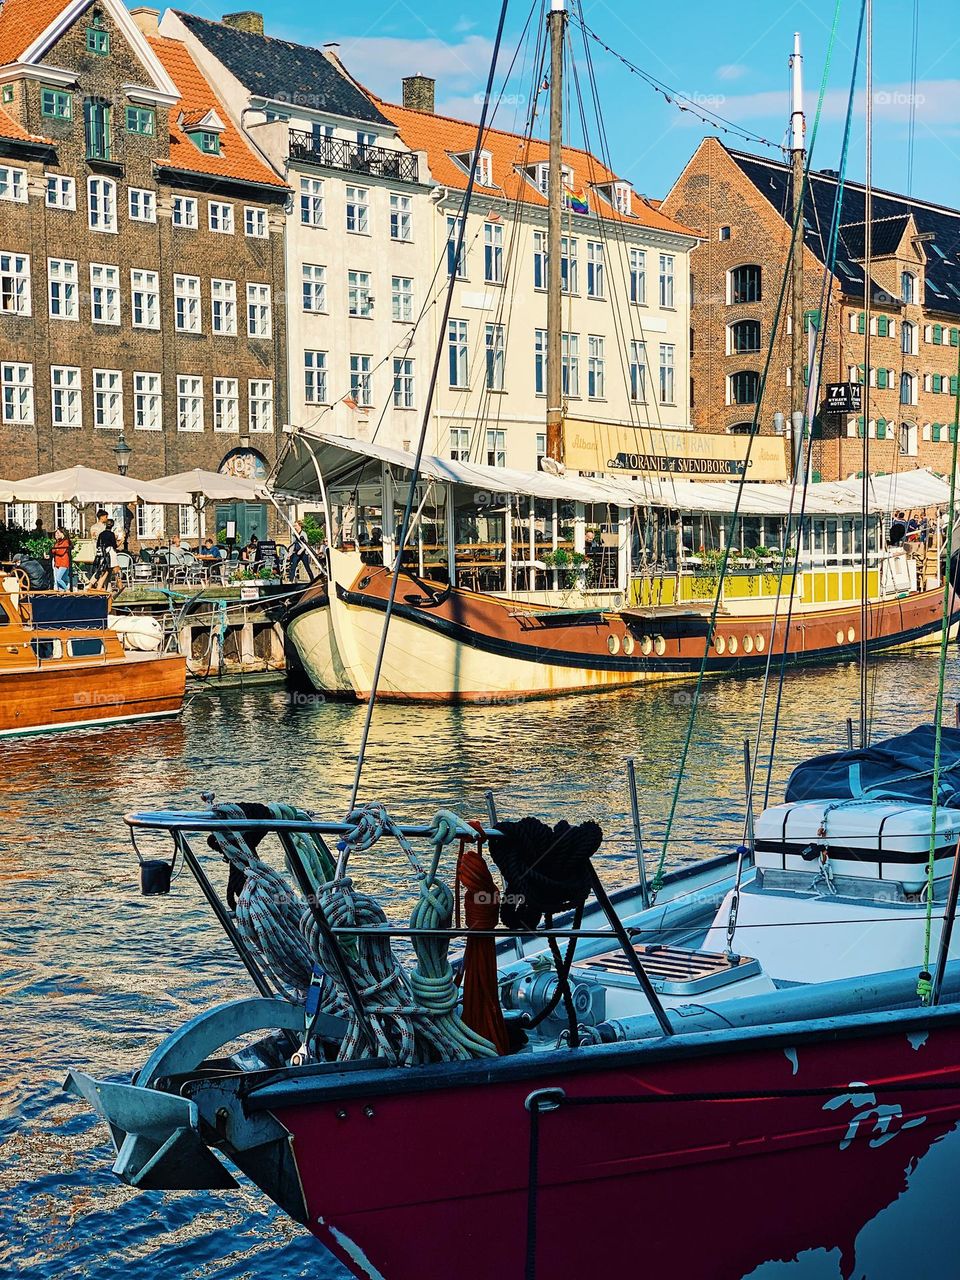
column 534, row 989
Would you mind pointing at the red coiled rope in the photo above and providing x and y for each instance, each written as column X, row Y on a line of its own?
column 481, row 908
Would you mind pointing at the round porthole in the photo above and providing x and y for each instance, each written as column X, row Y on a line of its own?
column 748, row 644
column 851, row 634
column 646, row 646
column 613, row 644
column 839, row 637
column 760, row 642
column 628, row 645
column 720, row 644
column 732, row 644
column 659, row 645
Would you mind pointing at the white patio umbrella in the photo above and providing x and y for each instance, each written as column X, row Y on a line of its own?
column 196, row 485
column 81, row 485
column 6, row 491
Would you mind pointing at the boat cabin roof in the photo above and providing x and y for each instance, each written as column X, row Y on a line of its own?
column 309, row 455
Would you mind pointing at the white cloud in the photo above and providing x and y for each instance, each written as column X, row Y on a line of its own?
column 731, row 71
column 937, row 103
column 381, row 62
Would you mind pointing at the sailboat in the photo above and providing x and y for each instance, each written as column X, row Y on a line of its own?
column 501, row 596
column 747, row 1063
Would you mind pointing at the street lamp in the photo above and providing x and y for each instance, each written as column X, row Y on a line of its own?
column 122, row 452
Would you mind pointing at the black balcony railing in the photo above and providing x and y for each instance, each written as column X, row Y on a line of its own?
column 355, row 157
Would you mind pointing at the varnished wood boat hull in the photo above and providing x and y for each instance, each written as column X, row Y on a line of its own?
column 464, row 646
column 134, row 687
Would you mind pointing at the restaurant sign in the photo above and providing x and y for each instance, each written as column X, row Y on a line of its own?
column 694, row 455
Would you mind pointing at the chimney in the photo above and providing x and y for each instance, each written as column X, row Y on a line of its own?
column 418, row 93
column 148, row 20
column 248, row 20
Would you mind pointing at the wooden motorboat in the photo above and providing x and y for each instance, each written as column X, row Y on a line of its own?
column 63, row 666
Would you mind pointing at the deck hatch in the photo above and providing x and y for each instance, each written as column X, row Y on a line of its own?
column 672, row 970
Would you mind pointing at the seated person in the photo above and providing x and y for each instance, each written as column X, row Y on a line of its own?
column 176, row 552
column 210, row 550
column 249, row 553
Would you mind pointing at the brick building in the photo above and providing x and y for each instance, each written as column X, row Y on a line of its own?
column 141, row 255
column 741, row 204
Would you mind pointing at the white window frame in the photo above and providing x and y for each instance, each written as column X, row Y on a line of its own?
column 259, row 311
column 638, row 277
column 260, row 405
column 358, row 210
column 596, row 269
column 667, row 281
column 255, row 222
column 108, row 399
column 223, row 307
column 494, row 356
column 541, row 258
column 102, row 204
column 492, row 252
column 190, row 404
column 151, row 519
column 13, row 184
column 141, row 204
column 63, row 289
column 401, row 217
column 147, row 401
column 361, row 379
column 66, row 396
column 404, row 383
column 314, row 288
column 187, row 306
column 401, row 298
column 458, row 353
column 63, row 189
column 458, row 268
column 359, row 304
column 459, row 444
column 496, row 442
column 16, row 291
column 638, row 371
column 220, row 218
column 185, row 213
column 570, row 364
column 668, row 373
column 144, row 298
column 104, row 293
column 569, row 273
column 312, row 202
column 540, row 362
column 596, row 367
column 315, row 377
column 16, row 388
column 226, row 406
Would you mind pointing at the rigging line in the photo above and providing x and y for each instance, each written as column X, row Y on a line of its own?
column 734, row 515
column 619, row 235
column 941, row 679
column 912, row 122
column 868, row 308
column 421, row 442
column 803, row 460
column 676, row 98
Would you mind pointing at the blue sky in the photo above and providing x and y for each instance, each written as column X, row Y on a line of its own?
column 732, row 59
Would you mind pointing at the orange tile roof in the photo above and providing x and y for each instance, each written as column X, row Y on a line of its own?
column 10, row 128
column 236, row 159
column 440, row 136
column 21, row 21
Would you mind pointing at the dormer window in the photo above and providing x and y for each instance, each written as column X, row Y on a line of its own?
column 206, row 141
column 619, row 195
column 484, row 174
column 539, row 176
column 204, row 131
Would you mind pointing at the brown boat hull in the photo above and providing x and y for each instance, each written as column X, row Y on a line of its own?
column 104, row 692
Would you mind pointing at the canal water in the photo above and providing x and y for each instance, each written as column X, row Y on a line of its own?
column 93, row 975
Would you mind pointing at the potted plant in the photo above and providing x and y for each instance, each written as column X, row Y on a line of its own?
column 572, row 567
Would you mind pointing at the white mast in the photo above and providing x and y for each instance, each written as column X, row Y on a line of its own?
column 798, row 129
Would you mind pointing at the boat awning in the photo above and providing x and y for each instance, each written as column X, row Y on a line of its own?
column 309, row 456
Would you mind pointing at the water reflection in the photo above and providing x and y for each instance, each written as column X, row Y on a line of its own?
column 92, row 974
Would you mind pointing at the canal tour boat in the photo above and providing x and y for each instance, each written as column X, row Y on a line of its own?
column 501, row 597
column 65, row 664
column 757, row 1030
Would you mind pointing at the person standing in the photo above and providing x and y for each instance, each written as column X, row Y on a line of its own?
column 61, row 554
column 299, row 552
column 107, row 556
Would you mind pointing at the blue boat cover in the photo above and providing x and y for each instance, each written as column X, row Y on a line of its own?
column 69, row 609
column 899, row 768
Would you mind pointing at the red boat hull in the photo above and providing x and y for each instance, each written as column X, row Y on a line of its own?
column 705, row 1167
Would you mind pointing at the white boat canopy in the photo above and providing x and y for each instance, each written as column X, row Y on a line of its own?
column 309, row 456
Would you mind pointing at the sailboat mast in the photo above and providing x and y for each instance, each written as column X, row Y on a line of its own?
column 797, row 158
column 556, row 26
column 868, row 321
